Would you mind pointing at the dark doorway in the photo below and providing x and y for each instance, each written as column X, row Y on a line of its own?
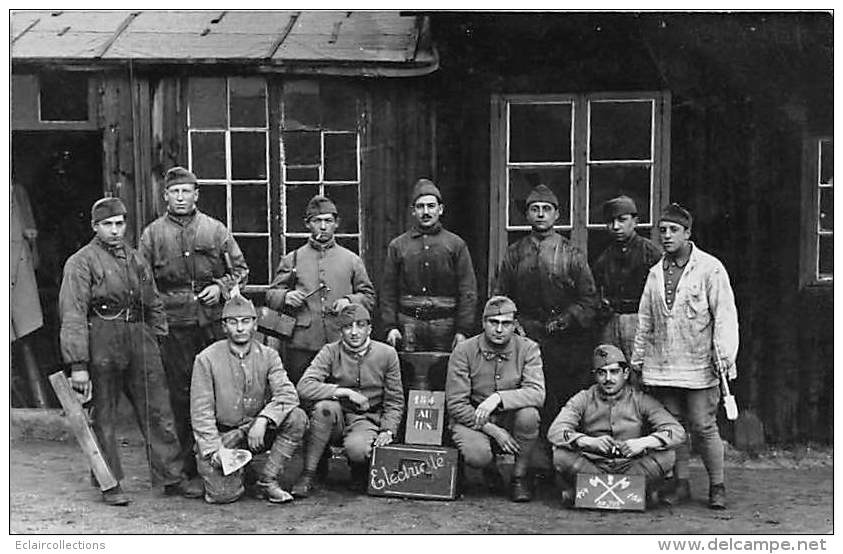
column 62, row 174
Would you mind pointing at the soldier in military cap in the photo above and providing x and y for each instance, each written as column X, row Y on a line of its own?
column 315, row 282
column 196, row 263
column 240, row 396
column 111, row 315
column 613, row 427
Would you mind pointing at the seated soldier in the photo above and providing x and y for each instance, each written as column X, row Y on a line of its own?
column 355, row 387
column 494, row 390
column 240, row 396
column 612, row 427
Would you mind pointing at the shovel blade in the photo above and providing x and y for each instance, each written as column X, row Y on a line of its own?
column 234, row 459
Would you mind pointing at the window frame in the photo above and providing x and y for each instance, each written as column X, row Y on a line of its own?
column 809, row 255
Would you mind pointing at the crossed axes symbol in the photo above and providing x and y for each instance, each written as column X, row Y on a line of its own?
column 610, row 487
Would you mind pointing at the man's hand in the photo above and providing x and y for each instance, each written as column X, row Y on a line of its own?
column 458, row 338
column 256, row 434
column 383, row 438
column 339, row 304
column 556, row 326
column 485, row 409
column 355, row 397
column 633, row 447
column 80, row 380
column 210, row 295
column 503, row 438
column 393, row 337
column 295, row 298
column 604, row 445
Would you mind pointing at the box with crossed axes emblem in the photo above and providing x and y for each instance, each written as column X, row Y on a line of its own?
column 608, row 491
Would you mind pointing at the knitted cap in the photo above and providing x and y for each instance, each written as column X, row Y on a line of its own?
column 499, row 305
column 238, row 306
column 618, row 206
column 107, row 207
column 607, row 354
column 677, row 214
column 352, row 313
column 319, row 205
column 178, row 176
column 542, row 194
column 424, row 187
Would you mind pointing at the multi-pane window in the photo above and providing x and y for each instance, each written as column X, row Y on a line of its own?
column 825, row 210
column 228, row 150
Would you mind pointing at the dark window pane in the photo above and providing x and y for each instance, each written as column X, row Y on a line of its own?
column 339, row 106
column 348, row 205
column 208, row 155
column 294, row 242
column 620, row 130
column 826, row 162
column 540, row 132
column 606, row 182
column 248, row 156
column 64, row 96
column 340, row 157
column 297, row 198
column 826, row 209
column 302, row 147
column 212, row 201
column 256, row 252
column 826, row 261
column 248, row 209
column 522, row 181
column 302, row 174
column 207, row 103
column 248, row 101
column 352, row 243
column 301, row 105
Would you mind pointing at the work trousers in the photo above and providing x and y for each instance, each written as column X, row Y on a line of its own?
column 620, row 331
column 696, row 410
column 653, row 465
column 296, row 361
column 329, row 424
column 125, row 359
column 178, row 350
column 478, row 449
column 284, row 439
column 429, row 334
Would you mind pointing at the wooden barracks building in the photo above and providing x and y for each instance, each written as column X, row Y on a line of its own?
column 729, row 114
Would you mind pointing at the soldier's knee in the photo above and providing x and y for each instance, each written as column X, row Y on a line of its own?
column 358, row 447
column 326, row 410
column 296, row 422
column 477, row 455
column 527, row 420
column 565, row 461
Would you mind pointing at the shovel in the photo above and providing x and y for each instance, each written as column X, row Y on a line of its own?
column 728, row 400
column 749, row 430
column 233, row 459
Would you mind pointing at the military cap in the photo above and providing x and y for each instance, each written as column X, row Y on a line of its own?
column 499, row 305
column 238, row 306
column 607, row 354
column 618, row 206
column 178, row 176
column 319, row 205
column 107, row 207
column 424, row 187
column 542, row 194
column 677, row 214
column 353, row 312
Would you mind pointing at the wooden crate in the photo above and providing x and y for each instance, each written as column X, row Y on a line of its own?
column 414, row 471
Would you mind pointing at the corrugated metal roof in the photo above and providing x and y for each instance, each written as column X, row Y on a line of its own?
column 374, row 39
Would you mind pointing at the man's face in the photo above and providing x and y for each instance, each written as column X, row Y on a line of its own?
column 322, row 227
column 355, row 333
column 239, row 330
column 427, row 210
column 111, row 229
column 181, row 199
column 622, row 227
column 542, row 215
column 674, row 236
column 499, row 328
column 611, row 378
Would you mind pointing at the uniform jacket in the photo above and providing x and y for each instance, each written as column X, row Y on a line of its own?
column 621, row 271
column 24, row 302
column 186, row 255
column 689, row 344
column 548, row 279
column 374, row 373
column 631, row 414
column 429, row 263
column 228, row 391
column 108, row 280
column 476, row 370
column 340, row 269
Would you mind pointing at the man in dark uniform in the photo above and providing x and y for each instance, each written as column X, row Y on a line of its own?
column 549, row 280
column 187, row 251
column 620, row 273
column 428, row 281
column 110, row 317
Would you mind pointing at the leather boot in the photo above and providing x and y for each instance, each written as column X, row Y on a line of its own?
column 680, row 493
column 717, row 496
column 272, row 491
column 493, row 479
column 188, row 488
column 359, row 473
column 115, row 497
column 304, row 485
column 521, row 489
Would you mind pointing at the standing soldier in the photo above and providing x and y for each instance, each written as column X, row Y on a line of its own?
column 687, row 337
column 110, row 315
column 549, row 280
column 315, row 282
column 428, row 280
column 196, row 262
column 620, row 273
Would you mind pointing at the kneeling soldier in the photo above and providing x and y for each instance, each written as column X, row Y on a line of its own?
column 355, row 385
column 603, row 429
column 240, row 395
column 494, row 390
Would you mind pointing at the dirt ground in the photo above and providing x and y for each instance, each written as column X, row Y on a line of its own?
column 782, row 491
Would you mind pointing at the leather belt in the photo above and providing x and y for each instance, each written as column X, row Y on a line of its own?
column 624, row 306
column 427, row 312
column 131, row 314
